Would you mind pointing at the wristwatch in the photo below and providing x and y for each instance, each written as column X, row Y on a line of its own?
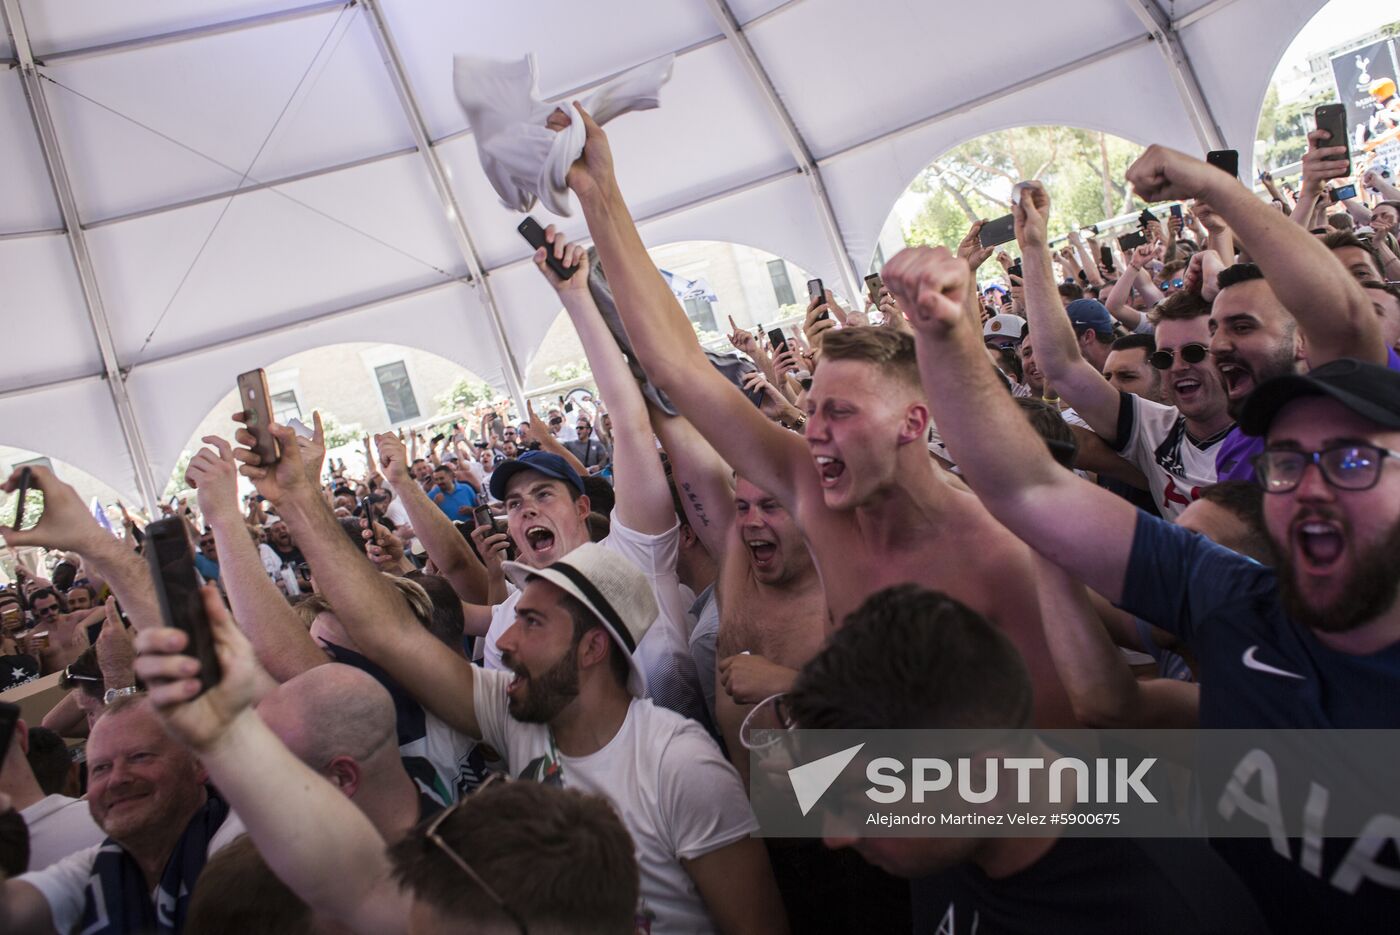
column 113, row 694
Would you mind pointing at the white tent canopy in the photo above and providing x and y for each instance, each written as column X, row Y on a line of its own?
column 136, row 284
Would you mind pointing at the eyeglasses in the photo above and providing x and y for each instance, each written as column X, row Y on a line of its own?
column 1172, row 284
column 70, row 676
column 432, row 835
column 1190, row 353
column 1345, row 467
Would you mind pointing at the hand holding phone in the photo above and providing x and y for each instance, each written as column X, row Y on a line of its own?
column 873, row 284
column 1333, row 119
column 485, row 519
column 816, row 294
column 171, row 560
column 1226, row 160
column 534, row 235
column 257, row 415
column 997, row 231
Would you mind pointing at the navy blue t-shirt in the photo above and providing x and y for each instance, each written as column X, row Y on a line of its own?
column 1260, row 670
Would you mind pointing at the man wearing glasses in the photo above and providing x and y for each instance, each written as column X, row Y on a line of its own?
column 1312, row 643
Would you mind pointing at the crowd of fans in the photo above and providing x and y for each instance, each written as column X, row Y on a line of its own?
column 499, row 682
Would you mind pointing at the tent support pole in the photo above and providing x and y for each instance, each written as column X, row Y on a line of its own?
column 1193, row 98
column 801, row 152
column 97, row 315
column 510, row 369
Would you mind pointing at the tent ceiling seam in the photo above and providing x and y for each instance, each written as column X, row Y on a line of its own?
column 1193, row 97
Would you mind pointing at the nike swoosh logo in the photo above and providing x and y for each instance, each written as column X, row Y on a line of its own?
column 1251, row 662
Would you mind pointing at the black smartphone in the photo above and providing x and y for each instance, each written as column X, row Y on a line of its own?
column 775, row 338
column 569, row 406
column 21, row 492
column 257, row 414
column 1146, row 217
column 873, row 283
column 1333, row 119
column 997, row 231
column 367, row 513
column 1015, row 270
column 1341, row 193
column 1226, row 160
column 1106, row 257
column 483, row 516
column 534, row 235
column 1128, row 241
column 816, row 291
column 171, row 559
column 1176, row 212
column 9, row 717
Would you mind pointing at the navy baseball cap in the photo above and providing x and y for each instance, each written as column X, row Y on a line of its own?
column 1369, row 390
column 550, row 465
column 1090, row 313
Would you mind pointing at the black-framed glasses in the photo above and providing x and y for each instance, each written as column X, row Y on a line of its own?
column 1348, row 466
column 431, row 833
column 1192, row 353
column 70, row 676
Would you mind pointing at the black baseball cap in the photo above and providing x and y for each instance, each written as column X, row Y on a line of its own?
column 1369, row 390
column 550, row 465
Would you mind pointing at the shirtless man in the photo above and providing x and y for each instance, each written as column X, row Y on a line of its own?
column 861, row 485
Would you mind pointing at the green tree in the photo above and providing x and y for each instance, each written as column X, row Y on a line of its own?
column 463, row 395
column 338, row 435
column 568, row 372
column 177, row 476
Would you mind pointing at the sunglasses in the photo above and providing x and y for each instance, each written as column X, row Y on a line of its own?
column 432, row 835
column 1190, row 353
column 1172, row 284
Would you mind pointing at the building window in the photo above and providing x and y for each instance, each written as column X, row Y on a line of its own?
column 397, row 391
column 782, row 285
column 698, row 310
column 285, row 407
column 878, row 263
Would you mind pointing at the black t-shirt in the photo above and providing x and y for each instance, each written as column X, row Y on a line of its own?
column 292, row 555
column 17, row 669
column 1093, row 886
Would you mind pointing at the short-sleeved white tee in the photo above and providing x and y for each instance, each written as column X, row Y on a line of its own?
column 675, row 792
column 1176, row 466
column 59, row 826
column 64, row 884
column 663, row 653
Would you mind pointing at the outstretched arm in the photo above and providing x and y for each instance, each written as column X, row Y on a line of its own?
column 1056, row 349
column 661, row 335
column 282, row 643
column 313, row 837
column 376, row 615
column 1331, row 307
column 702, row 479
column 1101, row 687
column 1088, row 530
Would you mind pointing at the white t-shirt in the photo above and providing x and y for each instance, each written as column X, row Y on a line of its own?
column 675, row 792
column 663, row 653
column 395, row 511
column 64, row 884
column 59, row 826
column 1156, row 442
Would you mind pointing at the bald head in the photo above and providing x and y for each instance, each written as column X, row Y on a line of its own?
column 331, row 711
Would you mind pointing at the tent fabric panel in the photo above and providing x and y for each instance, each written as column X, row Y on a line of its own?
column 75, row 24
column 76, row 423
column 271, row 259
column 221, row 96
column 45, row 324
column 175, row 395
column 592, row 44
column 864, row 184
column 27, row 201
column 899, row 62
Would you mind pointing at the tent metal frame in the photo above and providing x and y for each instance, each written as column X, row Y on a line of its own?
column 1193, row 98
column 112, row 370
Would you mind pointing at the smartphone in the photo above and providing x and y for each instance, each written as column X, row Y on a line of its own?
column 569, row 406
column 1176, row 212
column 1146, row 217
column 779, row 342
column 9, row 717
column 997, row 231
column 1106, row 257
column 483, row 516
column 257, row 414
column 1341, row 193
column 1015, row 270
column 1333, row 119
column 171, row 559
column 816, row 291
column 26, row 477
column 1226, row 160
column 1128, row 241
column 873, row 283
column 534, row 235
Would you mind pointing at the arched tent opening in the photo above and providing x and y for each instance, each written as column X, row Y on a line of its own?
column 713, row 281
column 359, row 388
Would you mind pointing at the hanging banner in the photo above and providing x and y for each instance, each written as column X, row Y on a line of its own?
column 1366, row 80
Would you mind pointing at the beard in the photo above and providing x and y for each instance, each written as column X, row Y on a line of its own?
column 1279, row 364
column 1370, row 591
column 547, row 693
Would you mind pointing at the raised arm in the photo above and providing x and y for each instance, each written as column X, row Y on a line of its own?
column 283, row 645
column 702, row 479
column 1101, row 687
column 1117, row 299
column 540, row 433
column 1088, row 530
column 371, row 609
column 665, row 342
column 67, row 525
column 1057, row 351
column 312, row 836
column 454, row 559
column 1331, row 307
